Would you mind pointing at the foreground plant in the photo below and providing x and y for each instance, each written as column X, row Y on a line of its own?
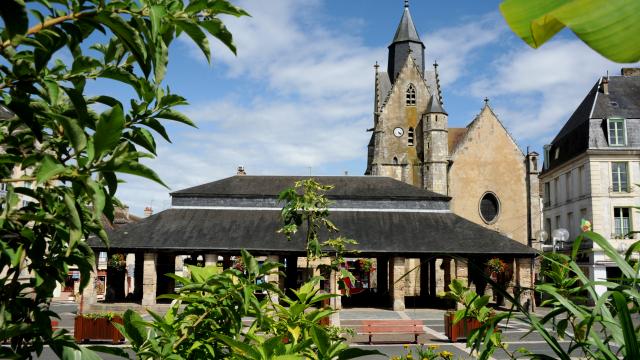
column 63, row 150
column 596, row 326
column 205, row 320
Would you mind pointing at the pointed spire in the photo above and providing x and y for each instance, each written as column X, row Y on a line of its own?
column 406, row 29
column 435, row 106
column 438, row 89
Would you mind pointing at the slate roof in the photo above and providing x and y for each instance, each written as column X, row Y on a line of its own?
column 435, row 106
column 345, row 187
column 406, row 29
column 587, row 129
column 256, row 230
column 455, row 136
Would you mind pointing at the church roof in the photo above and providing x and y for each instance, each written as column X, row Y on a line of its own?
column 352, row 187
column 435, row 106
column 406, row 29
column 455, row 136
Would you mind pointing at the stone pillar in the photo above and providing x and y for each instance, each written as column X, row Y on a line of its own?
column 524, row 279
column 396, row 271
column 424, row 278
column 462, row 271
column 433, row 280
column 89, row 292
column 274, row 278
column 336, row 302
column 149, row 279
column 210, row 259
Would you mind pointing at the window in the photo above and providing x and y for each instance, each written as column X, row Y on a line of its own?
column 617, row 133
column 410, row 136
column 555, row 191
column 489, row 207
column 411, row 95
column 570, row 225
column 619, row 177
column 395, row 160
column 547, row 194
column 621, row 223
column 547, row 226
column 558, row 222
column 580, row 180
column 567, row 185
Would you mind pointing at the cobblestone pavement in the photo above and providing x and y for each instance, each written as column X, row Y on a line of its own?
column 513, row 333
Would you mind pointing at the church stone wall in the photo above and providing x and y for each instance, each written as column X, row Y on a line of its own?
column 489, row 160
column 396, row 113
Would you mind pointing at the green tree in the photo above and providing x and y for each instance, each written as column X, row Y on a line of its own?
column 69, row 147
column 610, row 27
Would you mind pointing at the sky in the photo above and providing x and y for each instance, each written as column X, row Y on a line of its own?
column 298, row 97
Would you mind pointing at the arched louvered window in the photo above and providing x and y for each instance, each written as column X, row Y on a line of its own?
column 410, row 136
column 411, row 95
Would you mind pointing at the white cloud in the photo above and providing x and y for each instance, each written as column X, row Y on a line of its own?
column 535, row 91
column 453, row 47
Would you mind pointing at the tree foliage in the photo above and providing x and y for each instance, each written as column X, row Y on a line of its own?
column 205, row 320
column 68, row 147
column 610, row 27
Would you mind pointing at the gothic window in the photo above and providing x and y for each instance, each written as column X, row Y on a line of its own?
column 489, row 208
column 411, row 95
column 410, row 136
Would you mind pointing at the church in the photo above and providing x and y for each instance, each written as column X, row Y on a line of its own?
column 489, row 179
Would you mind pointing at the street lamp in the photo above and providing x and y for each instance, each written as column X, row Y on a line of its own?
column 559, row 237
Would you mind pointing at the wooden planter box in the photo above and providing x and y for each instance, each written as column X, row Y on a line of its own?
column 86, row 329
column 462, row 329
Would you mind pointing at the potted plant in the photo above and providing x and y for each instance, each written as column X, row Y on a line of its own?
column 97, row 326
column 500, row 273
column 472, row 313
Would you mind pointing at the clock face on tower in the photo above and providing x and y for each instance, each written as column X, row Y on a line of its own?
column 398, row 132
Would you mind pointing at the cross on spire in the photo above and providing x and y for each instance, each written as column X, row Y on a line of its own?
column 486, row 101
column 406, row 3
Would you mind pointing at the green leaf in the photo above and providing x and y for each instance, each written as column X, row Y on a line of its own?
column 136, row 168
column 216, row 28
column 156, row 13
column 610, row 27
column 108, row 130
column 72, row 131
column 14, row 15
column 196, row 35
column 129, row 36
column 171, row 114
column 49, row 168
column 630, row 349
column 160, row 61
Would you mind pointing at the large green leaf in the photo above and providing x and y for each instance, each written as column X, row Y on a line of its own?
column 610, row 27
column 108, row 130
column 197, row 35
column 49, row 168
column 14, row 15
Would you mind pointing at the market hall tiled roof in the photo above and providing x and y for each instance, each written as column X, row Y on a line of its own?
column 240, row 213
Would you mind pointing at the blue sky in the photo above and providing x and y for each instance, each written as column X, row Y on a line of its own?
column 298, row 97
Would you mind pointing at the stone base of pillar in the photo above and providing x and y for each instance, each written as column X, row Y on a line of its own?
column 396, row 272
column 149, row 279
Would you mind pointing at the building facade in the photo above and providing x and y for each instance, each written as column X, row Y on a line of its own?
column 491, row 181
column 591, row 168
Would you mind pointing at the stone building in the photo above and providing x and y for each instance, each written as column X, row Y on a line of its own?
column 480, row 167
column 591, row 168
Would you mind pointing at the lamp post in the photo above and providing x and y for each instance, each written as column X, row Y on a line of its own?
column 559, row 237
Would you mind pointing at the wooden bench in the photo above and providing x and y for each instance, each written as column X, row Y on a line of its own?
column 392, row 327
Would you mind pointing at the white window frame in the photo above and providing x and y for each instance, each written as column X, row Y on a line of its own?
column 624, row 130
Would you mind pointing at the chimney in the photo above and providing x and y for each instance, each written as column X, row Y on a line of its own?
column 630, row 71
column 241, row 171
column 605, row 85
column 148, row 211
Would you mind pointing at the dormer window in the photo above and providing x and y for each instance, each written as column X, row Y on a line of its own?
column 617, row 132
column 411, row 95
column 410, row 136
